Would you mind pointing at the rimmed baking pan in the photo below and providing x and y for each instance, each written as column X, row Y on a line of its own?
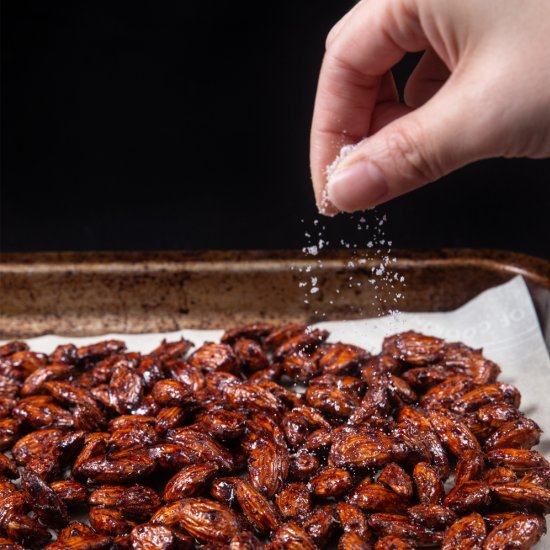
column 92, row 293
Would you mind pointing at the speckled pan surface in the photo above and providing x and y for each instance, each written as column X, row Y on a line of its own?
column 94, row 293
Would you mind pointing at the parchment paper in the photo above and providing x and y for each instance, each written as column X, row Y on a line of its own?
column 501, row 320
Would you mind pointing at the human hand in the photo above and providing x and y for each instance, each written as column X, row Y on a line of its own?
column 481, row 89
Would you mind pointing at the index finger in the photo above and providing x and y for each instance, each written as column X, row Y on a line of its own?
column 367, row 46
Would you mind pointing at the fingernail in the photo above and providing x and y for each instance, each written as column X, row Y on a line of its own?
column 356, row 187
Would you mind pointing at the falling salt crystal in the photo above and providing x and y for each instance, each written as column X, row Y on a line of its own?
column 313, row 250
column 308, row 269
column 315, row 222
column 307, row 234
column 314, row 290
column 362, row 219
column 370, row 244
column 314, row 281
column 350, row 264
column 301, row 284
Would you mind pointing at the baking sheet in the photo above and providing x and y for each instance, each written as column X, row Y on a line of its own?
column 501, row 320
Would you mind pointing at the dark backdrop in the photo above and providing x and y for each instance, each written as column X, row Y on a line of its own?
column 184, row 125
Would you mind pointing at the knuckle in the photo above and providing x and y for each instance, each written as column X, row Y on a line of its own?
column 408, row 152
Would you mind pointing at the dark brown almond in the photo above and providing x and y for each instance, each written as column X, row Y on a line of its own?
column 376, row 498
column 106, row 495
column 189, row 481
column 468, row 532
column 254, row 331
column 169, row 418
column 75, row 528
column 251, row 354
column 70, row 491
column 302, row 466
column 488, row 393
column 429, row 486
column 8, row 467
column 172, row 393
column 268, row 465
column 153, row 537
column 432, row 516
column 293, row 500
column 539, row 476
column 43, row 500
column 353, row 520
column 307, row 341
column 524, row 531
column 517, row 459
column 331, row 482
column 397, row 479
column 292, row 537
column 446, row 392
column 522, row 433
column 207, row 520
column 110, row 469
column 414, row 348
column 281, row 334
column 125, row 388
column 340, row 358
column 469, row 467
column 362, row 451
column 253, row 397
column 454, row 433
column 257, row 509
column 225, row 425
column 215, row 358
column 403, row 528
column 500, row 474
column 201, row 447
column 518, row 495
column 108, row 521
column 172, row 350
column 319, row 524
column 137, row 502
column 468, row 497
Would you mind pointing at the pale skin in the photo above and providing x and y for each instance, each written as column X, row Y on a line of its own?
column 481, row 90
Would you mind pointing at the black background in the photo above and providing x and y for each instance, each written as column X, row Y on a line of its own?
column 184, row 125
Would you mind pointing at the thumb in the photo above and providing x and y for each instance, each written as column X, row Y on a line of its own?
column 444, row 134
